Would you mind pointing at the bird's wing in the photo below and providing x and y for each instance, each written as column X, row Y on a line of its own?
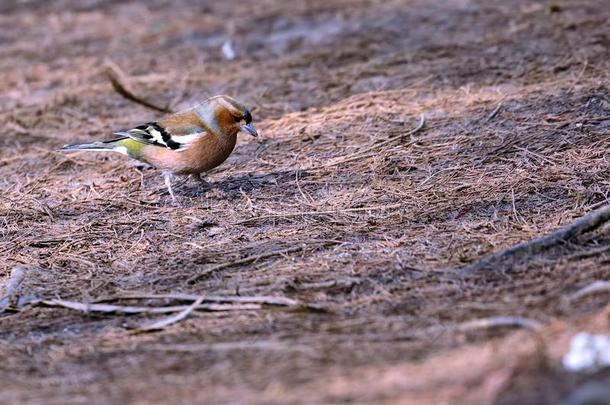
column 175, row 132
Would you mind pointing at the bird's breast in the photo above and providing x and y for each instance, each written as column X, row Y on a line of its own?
column 204, row 154
column 209, row 151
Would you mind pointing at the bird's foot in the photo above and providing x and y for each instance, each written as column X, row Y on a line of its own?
column 201, row 179
column 141, row 166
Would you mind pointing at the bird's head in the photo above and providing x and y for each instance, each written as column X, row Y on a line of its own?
column 226, row 115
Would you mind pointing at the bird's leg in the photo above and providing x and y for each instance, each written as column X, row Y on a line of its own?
column 139, row 165
column 201, row 177
column 183, row 181
column 168, row 177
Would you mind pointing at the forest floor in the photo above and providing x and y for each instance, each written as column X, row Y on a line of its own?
column 370, row 227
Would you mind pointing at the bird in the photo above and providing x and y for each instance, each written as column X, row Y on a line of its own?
column 188, row 142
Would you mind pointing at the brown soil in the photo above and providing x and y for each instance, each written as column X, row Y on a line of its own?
column 338, row 206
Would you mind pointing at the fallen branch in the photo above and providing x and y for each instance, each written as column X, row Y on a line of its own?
column 587, row 223
column 475, row 324
column 229, row 346
column 347, row 282
column 128, row 310
column 595, row 287
column 11, row 289
column 163, row 323
column 205, row 303
column 472, row 325
column 258, row 299
column 498, row 321
column 120, row 84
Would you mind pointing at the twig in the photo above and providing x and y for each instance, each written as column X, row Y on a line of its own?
column 595, row 287
column 516, row 215
column 239, row 262
column 539, row 156
column 12, row 286
column 498, row 321
column 163, row 323
column 121, row 85
column 347, row 282
column 259, row 299
column 316, row 213
column 474, row 324
column 118, row 309
column 367, row 153
column 587, row 223
column 296, row 179
column 494, row 112
column 229, row 346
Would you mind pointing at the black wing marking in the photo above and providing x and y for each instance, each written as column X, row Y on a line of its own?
column 152, row 133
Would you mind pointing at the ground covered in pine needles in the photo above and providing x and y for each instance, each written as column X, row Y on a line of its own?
column 360, row 251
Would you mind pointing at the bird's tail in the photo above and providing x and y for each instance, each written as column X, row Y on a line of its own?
column 124, row 145
column 96, row 146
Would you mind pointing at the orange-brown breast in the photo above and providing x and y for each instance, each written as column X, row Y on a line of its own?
column 204, row 154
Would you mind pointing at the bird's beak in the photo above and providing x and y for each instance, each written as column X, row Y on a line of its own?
column 249, row 129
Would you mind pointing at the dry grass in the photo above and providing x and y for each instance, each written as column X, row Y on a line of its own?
column 341, row 206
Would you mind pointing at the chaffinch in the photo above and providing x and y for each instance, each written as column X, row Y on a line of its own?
column 192, row 141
